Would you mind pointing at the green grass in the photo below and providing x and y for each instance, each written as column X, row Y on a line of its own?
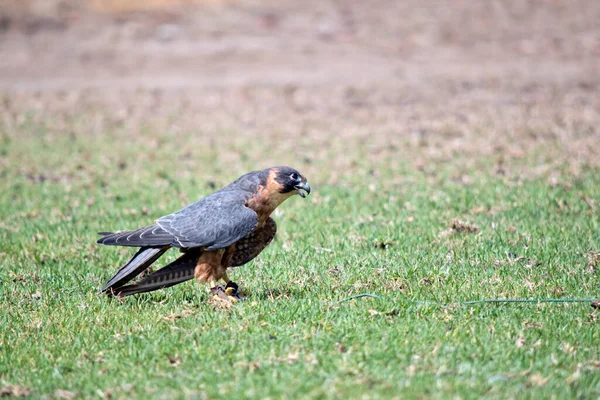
column 375, row 229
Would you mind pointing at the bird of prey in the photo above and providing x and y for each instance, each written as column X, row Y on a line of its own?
column 225, row 229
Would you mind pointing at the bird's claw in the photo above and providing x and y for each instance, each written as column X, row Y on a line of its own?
column 229, row 293
column 232, row 289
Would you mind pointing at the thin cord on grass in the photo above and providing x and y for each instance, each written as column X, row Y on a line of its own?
column 358, row 296
column 473, row 302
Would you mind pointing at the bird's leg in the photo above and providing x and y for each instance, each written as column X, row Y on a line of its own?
column 207, row 270
column 219, row 292
column 231, row 287
column 227, row 294
column 213, row 285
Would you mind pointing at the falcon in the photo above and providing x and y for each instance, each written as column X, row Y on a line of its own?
column 223, row 230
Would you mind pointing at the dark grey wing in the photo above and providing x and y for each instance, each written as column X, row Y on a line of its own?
column 150, row 236
column 213, row 222
column 180, row 270
column 253, row 244
column 138, row 263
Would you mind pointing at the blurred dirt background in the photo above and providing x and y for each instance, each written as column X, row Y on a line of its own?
column 427, row 81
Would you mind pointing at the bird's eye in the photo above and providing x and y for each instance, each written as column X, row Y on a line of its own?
column 294, row 176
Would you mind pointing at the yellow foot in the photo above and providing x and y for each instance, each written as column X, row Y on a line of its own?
column 232, row 289
column 228, row 294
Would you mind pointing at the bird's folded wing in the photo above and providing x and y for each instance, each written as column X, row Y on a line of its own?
column 150, row 236
column 213, row 222
column 138, row 263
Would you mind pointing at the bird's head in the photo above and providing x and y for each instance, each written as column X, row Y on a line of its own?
column 289, row 181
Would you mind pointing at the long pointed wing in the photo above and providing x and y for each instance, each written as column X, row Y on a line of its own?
column 213, row 222
column 180, row 270
column 150, row 236
column 138, row 263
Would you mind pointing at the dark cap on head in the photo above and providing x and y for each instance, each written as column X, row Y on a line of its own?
column 292, row 180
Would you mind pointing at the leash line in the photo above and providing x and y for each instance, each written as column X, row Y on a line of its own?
column 475, row 302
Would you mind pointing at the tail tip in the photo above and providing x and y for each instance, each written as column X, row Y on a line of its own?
column 111, row 291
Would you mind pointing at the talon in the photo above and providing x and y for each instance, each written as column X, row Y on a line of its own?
column 228, row 294
column 217, row 290
column 231, row 289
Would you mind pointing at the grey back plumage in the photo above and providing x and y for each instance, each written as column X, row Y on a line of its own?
column 213, row 222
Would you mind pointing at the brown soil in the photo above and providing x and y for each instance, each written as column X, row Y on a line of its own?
column 479, row 77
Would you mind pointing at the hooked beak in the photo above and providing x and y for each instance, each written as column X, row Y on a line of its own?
column 302, row 186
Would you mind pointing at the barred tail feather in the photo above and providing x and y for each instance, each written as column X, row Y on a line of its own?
column 138, row 263
column 180, row 270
